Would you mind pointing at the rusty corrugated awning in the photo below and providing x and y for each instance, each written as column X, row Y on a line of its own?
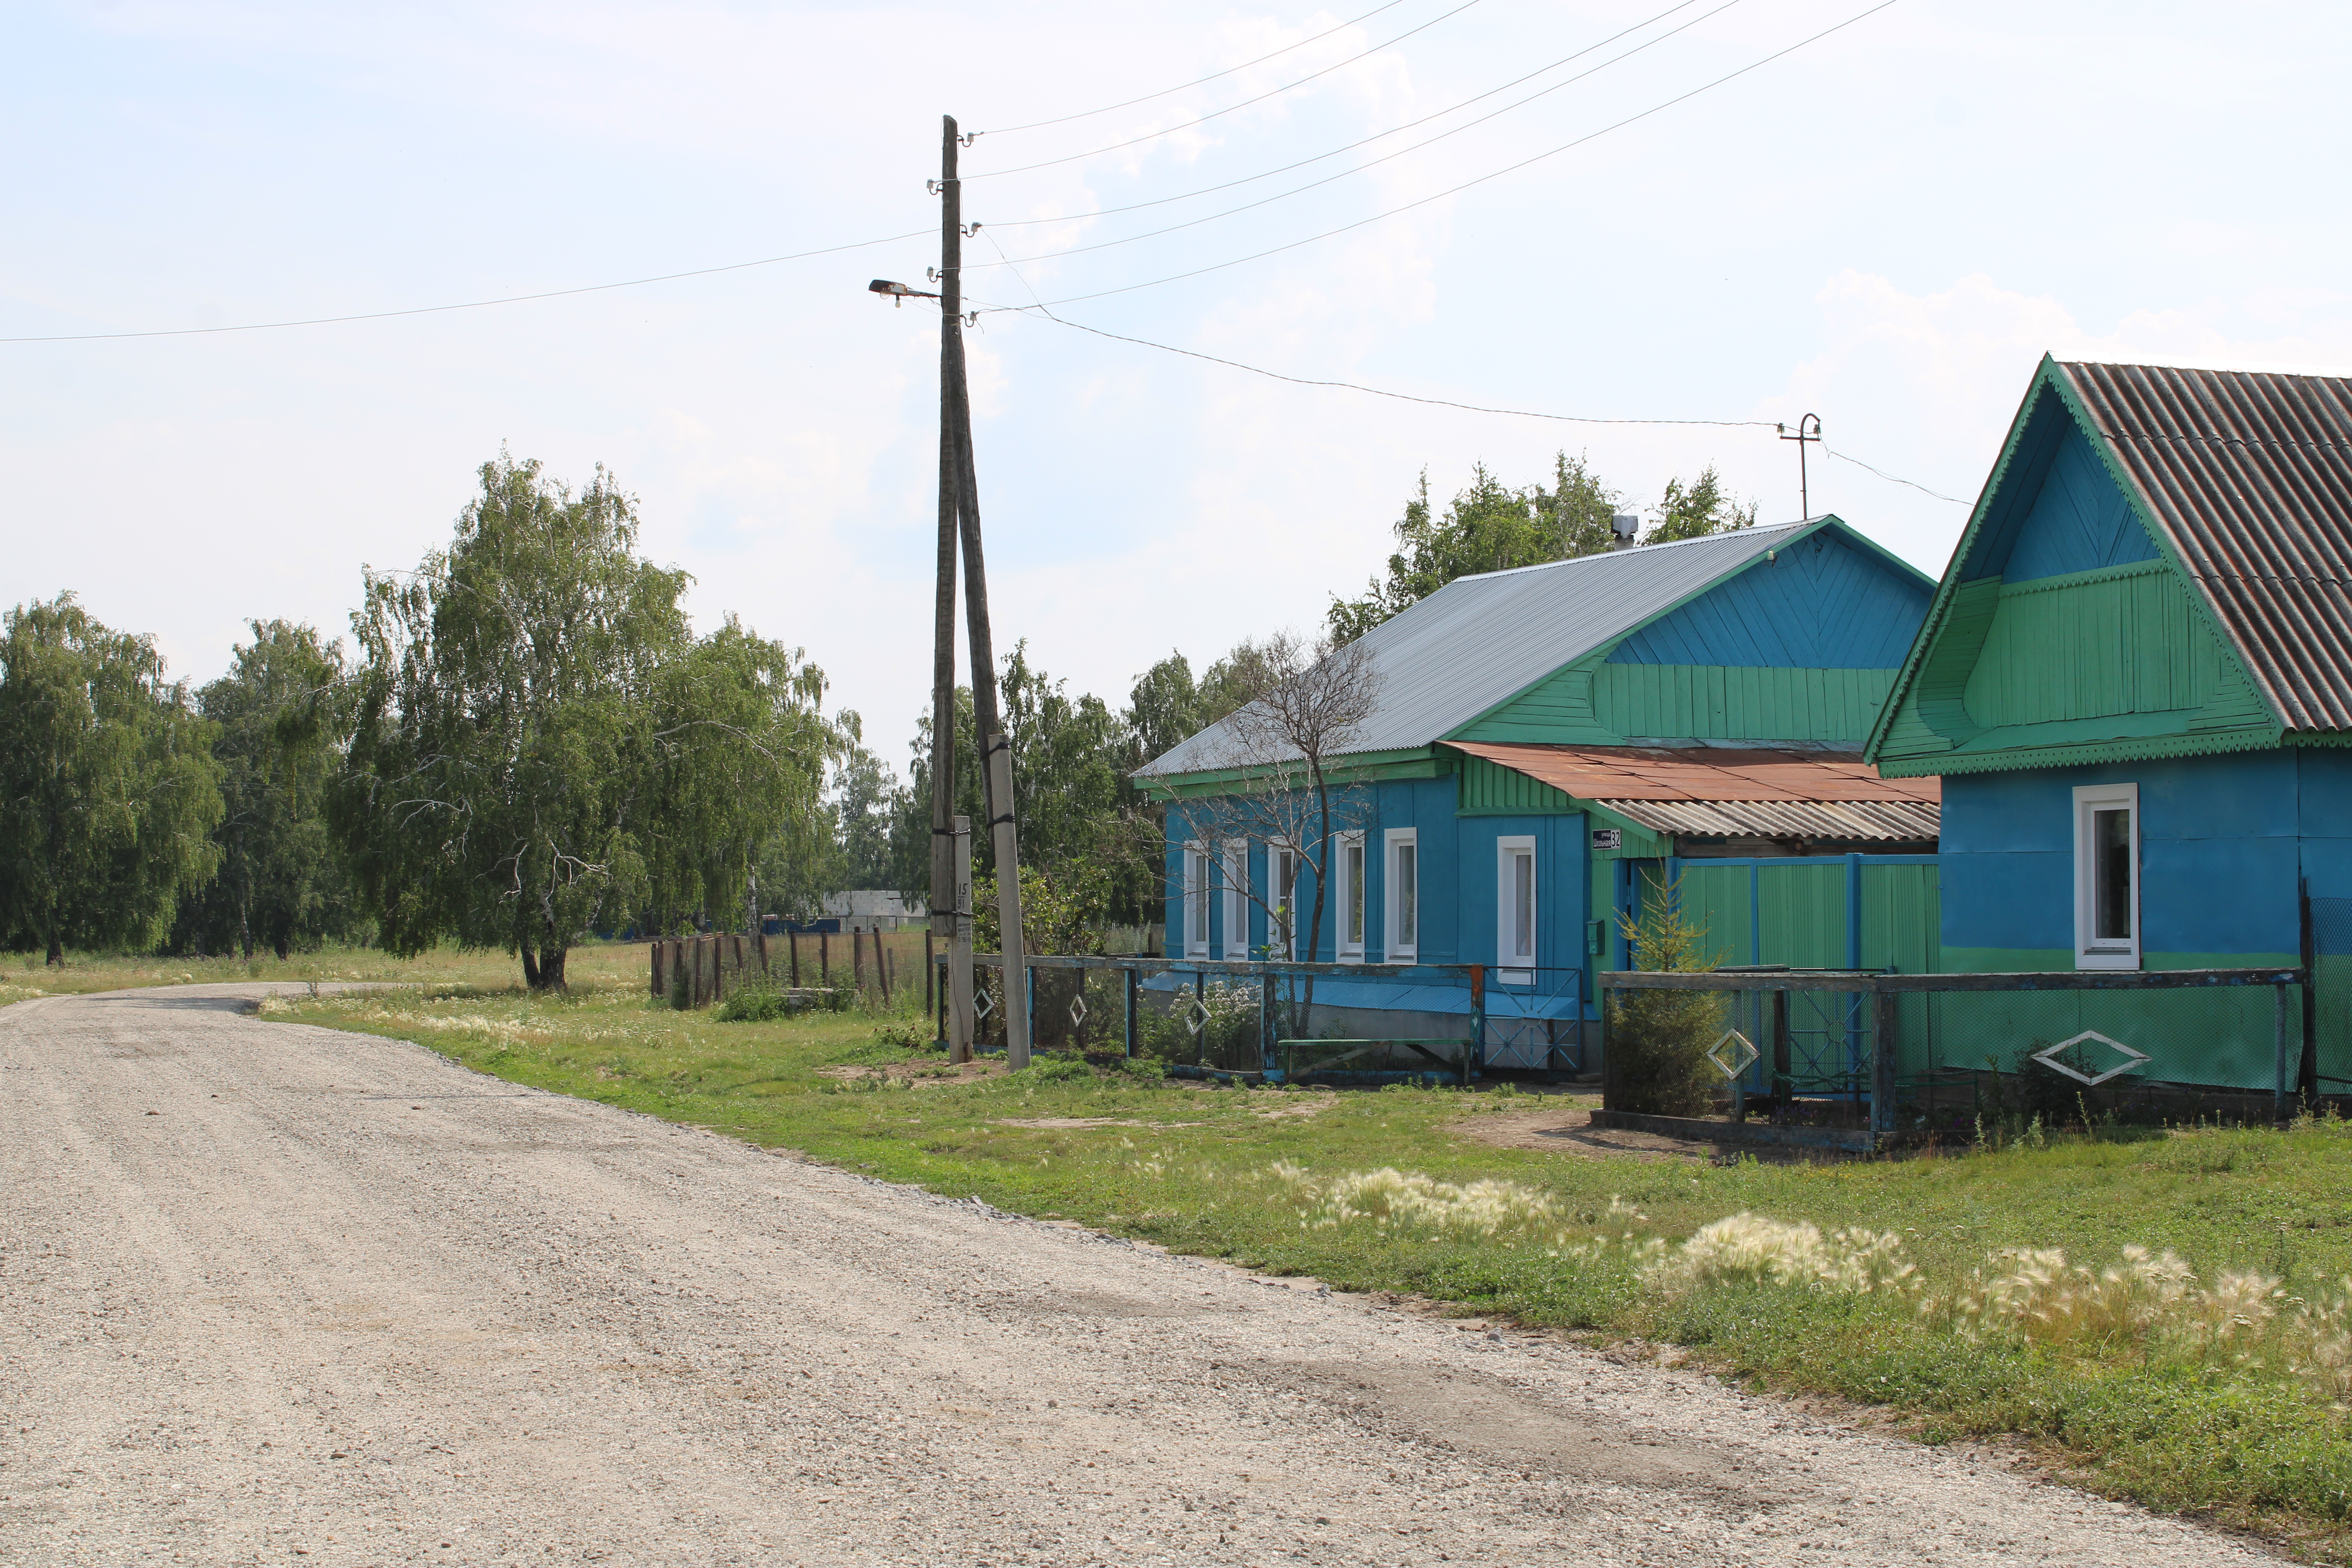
column 1710, row 793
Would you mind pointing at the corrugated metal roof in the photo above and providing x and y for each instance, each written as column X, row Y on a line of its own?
column 2250, row 475
column 1843, row 822
column 1479, row 640
column 1701, row 773
column 1706, row 793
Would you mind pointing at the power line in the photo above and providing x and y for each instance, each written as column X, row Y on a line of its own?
column 1350, row 147
column 1213, row 76
column 1495, row 175
column 1400, row 153
column 1893, row 478
column 1449, row 403
column 1373, row 391
column 1213, row 114
column 470, row 304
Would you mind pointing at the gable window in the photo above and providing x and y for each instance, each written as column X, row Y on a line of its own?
column 2107, row 877
column 1402, row 928
column 1515, row 913
column 1196, row 901
column 1351, row 890
column 1282, row 900
column 1236, row 900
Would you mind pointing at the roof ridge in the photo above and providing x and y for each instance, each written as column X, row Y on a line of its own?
column 1761, row 528
column 2299, row 373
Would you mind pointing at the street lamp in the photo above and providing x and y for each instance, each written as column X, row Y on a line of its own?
column 898, row 292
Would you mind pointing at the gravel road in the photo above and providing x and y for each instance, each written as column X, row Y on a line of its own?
column 271, row 1293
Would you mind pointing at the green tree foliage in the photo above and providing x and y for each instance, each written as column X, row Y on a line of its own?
column 281, row 882
column 1494, row 527
column 1489, row 527
column 1067, row 756
column 851, row 840
column 109, row 792
column 1658, row 1040
column 742, row 745
column 1693, row 510
column 1166, row 705
column 540, row 744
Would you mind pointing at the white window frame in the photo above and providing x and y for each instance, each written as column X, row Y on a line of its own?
column 1507, row 848
column 1279, row 898
column 1196, row 898
column 1236, row 898
column 1345, row 884
column 1395, row 907
column 2091, row 951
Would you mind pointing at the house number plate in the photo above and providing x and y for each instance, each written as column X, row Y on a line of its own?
column 1608, row 838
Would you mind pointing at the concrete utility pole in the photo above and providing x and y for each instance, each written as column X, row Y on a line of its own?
column 960, row 950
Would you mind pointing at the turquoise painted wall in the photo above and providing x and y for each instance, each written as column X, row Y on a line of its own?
column 2224, row 841
column 1458, row 906
column 1819, row 604
column 2079, row 520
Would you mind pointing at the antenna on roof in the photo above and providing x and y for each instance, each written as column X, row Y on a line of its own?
column 1803, row 434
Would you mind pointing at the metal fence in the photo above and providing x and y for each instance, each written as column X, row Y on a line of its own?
column 1865, row 1039
column 1223, row 1017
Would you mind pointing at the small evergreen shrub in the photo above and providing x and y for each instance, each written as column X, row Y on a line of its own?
column 1658, row 1040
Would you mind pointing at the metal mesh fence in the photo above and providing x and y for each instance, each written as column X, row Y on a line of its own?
column 2331, row 992
column 2057, row 1044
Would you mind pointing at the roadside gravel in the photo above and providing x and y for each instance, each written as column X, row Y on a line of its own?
column 271, row 1293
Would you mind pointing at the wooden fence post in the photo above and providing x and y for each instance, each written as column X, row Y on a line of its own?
column 760, row 942
column 793, row 946
column 825, row 959
column 857, row 960
column 930, row 977
column 658, row 987
column 1130, row 986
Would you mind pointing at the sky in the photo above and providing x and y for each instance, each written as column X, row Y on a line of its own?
column 1887, row 226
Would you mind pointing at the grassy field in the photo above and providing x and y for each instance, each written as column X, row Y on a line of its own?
column 2214, row 1382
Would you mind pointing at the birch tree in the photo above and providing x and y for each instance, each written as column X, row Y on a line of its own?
column 540, row 745
column 109, row 792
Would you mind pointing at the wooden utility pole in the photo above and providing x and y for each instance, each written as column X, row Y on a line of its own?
column 995, row 754
column 945, row 902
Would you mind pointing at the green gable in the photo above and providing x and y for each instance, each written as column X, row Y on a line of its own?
column 2064, row 631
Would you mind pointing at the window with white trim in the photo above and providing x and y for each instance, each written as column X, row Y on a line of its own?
column 2107, row 877
column 1401, row 927
column 1353, row 888
column 1282, row 899
column 1196, row 901
column 1515, row 910
column 1236, row 899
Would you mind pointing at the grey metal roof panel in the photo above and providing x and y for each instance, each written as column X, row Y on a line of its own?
column 2249, row 476
column 1480, row 641
column 1856, row 822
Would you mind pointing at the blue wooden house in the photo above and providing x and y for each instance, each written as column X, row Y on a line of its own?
column 1547, row 744
column 2136, row 683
